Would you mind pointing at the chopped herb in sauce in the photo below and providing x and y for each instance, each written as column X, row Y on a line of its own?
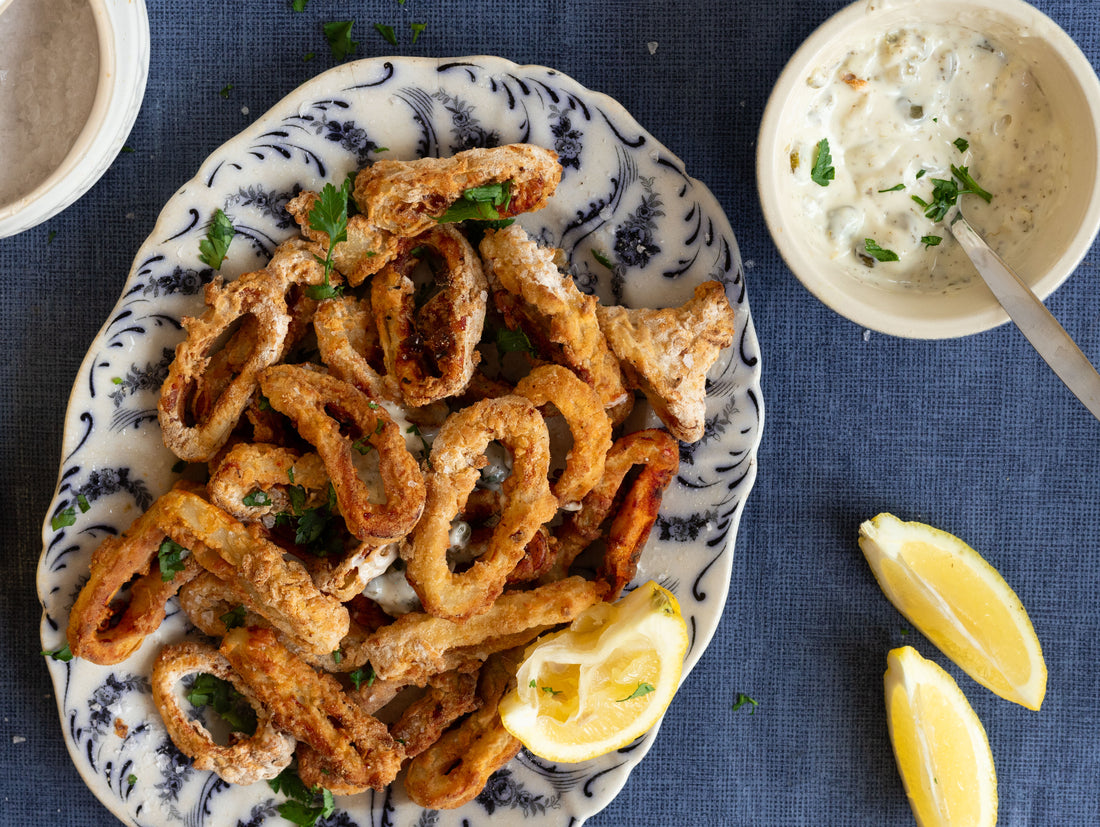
column 878, row 253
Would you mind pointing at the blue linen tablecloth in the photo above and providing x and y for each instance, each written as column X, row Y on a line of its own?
column 974, row 435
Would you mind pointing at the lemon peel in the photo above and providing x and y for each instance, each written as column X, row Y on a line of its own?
column 598, row 685
column 960, row 603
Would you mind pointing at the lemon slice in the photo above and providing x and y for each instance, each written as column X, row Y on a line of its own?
column 960, row 603
column 940, row 745
column 598, row 685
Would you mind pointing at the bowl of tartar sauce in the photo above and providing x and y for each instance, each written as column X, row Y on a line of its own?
column 72, row 78
column 895, row 110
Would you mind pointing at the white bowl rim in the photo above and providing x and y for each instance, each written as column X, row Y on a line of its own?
column 122, row 31
column 1032, row 21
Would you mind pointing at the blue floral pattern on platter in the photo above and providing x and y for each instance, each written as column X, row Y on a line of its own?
column 638, row 231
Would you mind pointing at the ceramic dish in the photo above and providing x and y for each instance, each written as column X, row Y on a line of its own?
column 122, row 30
column 1062, row 233
column 622, row 194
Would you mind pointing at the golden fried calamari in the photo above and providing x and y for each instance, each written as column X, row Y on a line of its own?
column 667, row 353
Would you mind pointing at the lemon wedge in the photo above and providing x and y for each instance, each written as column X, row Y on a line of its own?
column 960, row 603
column 596, row 686
column 940, row 745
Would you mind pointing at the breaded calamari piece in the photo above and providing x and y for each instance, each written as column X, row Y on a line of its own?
column 667, row 353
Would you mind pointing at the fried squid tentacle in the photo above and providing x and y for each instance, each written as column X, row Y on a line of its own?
column 456, row 457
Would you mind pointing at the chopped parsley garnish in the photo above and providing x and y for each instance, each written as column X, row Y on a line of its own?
column 878, row 253
column 64, row 654
column 961, row 144
column 82, row 503
column 226, row 90
column 488, row 202
column 931, row 240
column 549, row 690
column 894, row 188
column 921, row 173
column 363, row 445
column 386, row 32
column 338, row 35
column 131, row 779
column 126, row 148
column 305, row 806
column 170, row 554
column 822, row 171
column 256, row 498
column 315, row 529
column 50, row 236
column 743, row 699
column 222, row 697
column 63, row 518
column 337, row 656
column 643, row 689
column 219, row 234
column 963, row 174
column 417, row 29
column 298, row 5
column 513, row 341
column 308, row 56
column 234, row 617
column 362, row 675
column 330, row 216
column 602, row 258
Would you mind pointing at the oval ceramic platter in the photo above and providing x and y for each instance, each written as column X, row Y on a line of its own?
column 624, row 198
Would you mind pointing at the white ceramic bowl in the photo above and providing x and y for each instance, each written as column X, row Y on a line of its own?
column 122, row 28
column 1062, row 239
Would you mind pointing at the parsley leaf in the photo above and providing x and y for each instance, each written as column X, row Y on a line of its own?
column 64, row 654
column 338, row 35
column 643, row 689
column 362, row 675
column 308, row 56
column 921, row 173
column 963, row 174
column 226, row 90
column 213, row 248
column 931, row 240
column 603, row 259
column 386, row 32
column 63, row 518
column 894, row 188
column 549, row 690
column 961, row 144
column 877, row 252
column 330, row 216
column 488, row 202
column 417, row 29
column 743, row 699
column 221, row 696
column 298, row 5
column 305, row 806
column 256, row 498
column 234, row 617
column 823, row 171
column 51, row 236
column 513, row 341
column 170, row 554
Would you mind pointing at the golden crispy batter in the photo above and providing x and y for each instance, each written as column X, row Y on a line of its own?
column 244, row 760
column 450, row 695
column 262, row 474
column 279, row 589
column 431, row 352
column 659, row 456
column 314, row 709
column 253, row 294
column 95, row 633
column 456, row 457
column 667, row 353
column 321, row 406
column 367, row 249
column 348, row 341
column 455, row 768
column 406, row 197
column 417, row 645
column 584, row 412
column 560, row 320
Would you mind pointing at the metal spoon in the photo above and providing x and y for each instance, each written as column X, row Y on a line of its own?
column 1037, row 324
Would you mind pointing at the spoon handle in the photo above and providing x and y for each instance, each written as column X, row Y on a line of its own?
column 1037, row 324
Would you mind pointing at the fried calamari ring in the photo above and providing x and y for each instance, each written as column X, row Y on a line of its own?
column 321, row 407
column 279, row 589
column 431, row 353
column 450, row 695
column 418, row 645
column 95, row 631
column 253, row 294
column 668, row 352
column 454, row 769
column 584, row 412
column 408, row 197
column 533, row 294
column 456, row 457
column 253, row 479
column 348, row 340
column 245, row 760
column 312, row 707
column 658, row 454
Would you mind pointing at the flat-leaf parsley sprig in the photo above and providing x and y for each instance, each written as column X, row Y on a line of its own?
column 330, row 216
column 213, row 248
column 823, row 170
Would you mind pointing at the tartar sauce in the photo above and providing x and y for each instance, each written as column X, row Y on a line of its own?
column 898, row 111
